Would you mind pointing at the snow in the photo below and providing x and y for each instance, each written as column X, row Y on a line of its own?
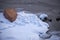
column 25, row 27
column 42, row 16
column 54, row 37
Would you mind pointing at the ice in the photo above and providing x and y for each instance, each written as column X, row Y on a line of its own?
column 25, row 27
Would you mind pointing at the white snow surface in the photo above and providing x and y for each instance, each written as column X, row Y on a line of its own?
column 25, row 27
column 43, row 15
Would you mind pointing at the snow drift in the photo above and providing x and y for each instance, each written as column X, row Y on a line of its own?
column 25, row 27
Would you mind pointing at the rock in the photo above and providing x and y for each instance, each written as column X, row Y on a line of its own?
column 10, row 14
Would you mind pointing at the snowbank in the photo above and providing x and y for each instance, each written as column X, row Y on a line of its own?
column 25, row 27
